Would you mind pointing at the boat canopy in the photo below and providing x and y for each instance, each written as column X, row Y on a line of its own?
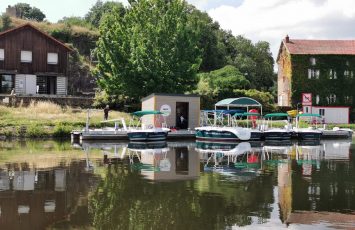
column 271, row 115
column 219, row 111
column 309, row 115
column 246, row 114
column 251, row 114
column 146, row 112
column 244, row 102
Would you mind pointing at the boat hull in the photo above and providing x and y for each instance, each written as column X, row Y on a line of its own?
column 147, row 136
column 277, row 135
column 211, row 135
column 256, row 135
column 309, row 135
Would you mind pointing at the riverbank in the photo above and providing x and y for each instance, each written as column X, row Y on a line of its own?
column 46, row 120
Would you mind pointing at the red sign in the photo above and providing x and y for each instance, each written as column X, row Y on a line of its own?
column 306, row 99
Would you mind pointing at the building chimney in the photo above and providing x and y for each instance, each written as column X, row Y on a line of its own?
column 287, row 39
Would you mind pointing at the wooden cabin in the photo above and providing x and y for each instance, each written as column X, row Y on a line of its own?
column 32, row 62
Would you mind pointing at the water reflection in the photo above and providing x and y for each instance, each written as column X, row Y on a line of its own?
column 39, row 190
column 176, row 185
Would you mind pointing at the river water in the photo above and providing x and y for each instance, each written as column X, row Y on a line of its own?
column 177, row 185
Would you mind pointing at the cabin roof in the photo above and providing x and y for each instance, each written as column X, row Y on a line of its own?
column 29, row 25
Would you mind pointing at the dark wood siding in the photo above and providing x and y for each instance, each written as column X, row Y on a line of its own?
column 29, row 39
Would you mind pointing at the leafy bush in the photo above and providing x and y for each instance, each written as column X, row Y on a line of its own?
column 62, row 130
column 36, row 131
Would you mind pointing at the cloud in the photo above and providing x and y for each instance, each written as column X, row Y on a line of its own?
column 209, row 4
column 272, row 20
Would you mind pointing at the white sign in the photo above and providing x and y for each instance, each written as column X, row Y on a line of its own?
column 166, row 110
column 306, row 99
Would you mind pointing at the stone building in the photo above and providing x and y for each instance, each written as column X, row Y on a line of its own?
column 323, row 68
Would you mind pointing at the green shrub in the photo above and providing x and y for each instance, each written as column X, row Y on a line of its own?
column 36, row 131
column 62, row 130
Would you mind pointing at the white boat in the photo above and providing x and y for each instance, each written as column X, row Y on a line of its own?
column 309, row 133
column 272, row 133
column 256, row 133
column 218, row 131
column 147, row 132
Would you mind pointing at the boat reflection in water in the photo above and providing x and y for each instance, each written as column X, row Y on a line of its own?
column 156, row 161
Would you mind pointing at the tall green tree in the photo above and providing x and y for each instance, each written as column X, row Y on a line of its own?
column 153, row 48
column 213, row 49
column 254, row 61
column 98, row 11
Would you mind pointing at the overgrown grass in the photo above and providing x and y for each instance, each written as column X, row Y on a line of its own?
column 45, row 119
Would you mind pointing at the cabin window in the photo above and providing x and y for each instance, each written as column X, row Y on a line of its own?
column 322, row 112
column 312, row 60
column 7, row 83
column 26, row 56
column 2, row 54
column 52, row 58
column 332, row 74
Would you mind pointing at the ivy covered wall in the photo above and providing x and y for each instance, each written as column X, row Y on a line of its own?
column 330, row 75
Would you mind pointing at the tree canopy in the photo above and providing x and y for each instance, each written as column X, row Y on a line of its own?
column 98, row 11
column 26, row 11
column 219, row 84
column 152, row 48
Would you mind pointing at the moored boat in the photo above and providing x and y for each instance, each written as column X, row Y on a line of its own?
column 147, row 132
column 309, row 133
column 273, row 133
column 212, row 133
column 255, row 133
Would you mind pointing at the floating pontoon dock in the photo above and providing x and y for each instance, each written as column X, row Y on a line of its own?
column 102, row 134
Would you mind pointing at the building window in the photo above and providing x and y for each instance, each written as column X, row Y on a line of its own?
column 348, row 99
column 2, row 54
column 332, row 74
column 7, row 83
column 46, row 85
column 307, row 110
column 313, row 73
column 26, row 56
column 331, row 99
column 322, row 112
column 52, row 58
column 348, row 74
column 312, row 60
column 317, row 99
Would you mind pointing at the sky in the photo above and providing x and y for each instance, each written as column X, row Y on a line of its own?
column 266, row 20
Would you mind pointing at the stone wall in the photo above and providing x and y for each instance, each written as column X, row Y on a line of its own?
column 82, row 102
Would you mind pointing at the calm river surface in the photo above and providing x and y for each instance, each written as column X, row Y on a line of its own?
column 177, row 185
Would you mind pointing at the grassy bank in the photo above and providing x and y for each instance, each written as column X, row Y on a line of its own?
column 45, row 119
